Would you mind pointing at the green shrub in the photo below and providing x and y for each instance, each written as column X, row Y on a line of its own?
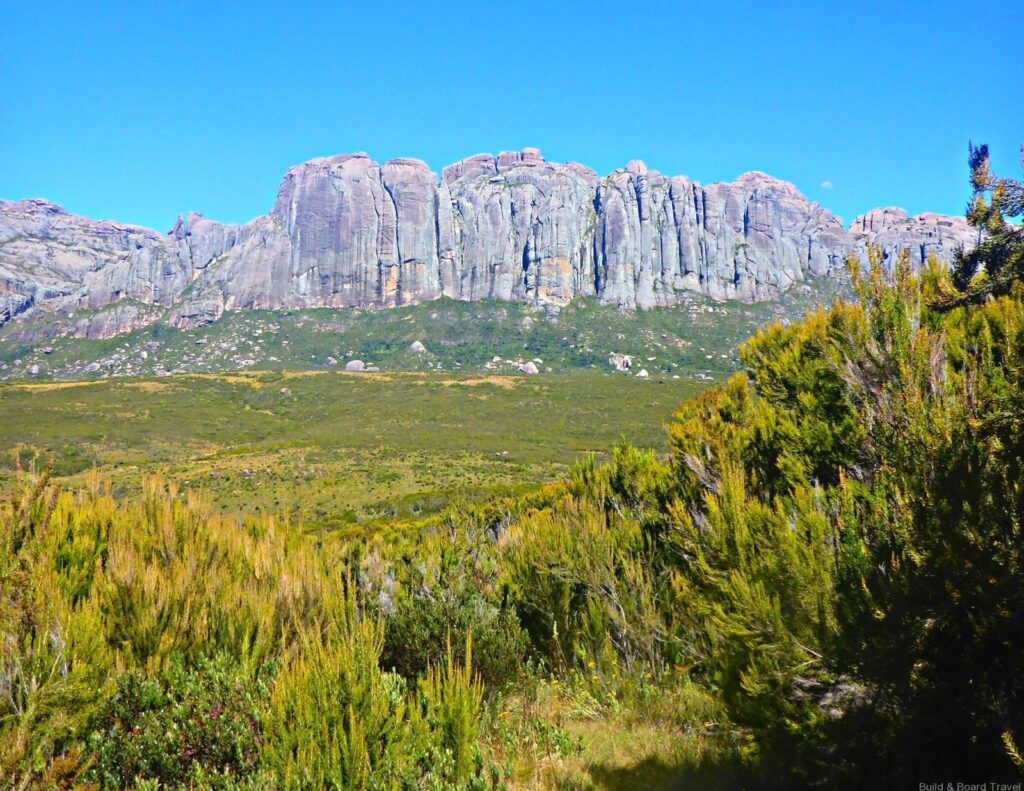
column 52, row 659
column 200, row 725
column 417, row 632
column 335, row 719
column 452, row 698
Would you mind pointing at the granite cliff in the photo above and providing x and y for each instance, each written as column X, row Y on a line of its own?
column 347, row 231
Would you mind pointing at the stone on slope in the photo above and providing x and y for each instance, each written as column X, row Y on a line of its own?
column 621, row 362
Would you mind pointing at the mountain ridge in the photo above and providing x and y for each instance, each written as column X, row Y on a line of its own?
column 346, row 231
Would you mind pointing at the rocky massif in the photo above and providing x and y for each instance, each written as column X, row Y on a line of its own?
column 346, row 231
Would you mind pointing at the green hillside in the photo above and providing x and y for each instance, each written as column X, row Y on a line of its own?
column 695, row 339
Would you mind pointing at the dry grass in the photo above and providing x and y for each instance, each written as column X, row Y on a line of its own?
column 148, row 386
column 39, row 387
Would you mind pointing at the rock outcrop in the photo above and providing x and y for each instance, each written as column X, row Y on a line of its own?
column 923, row 235
column 356, row 233
column 346, row 231
column 748, row 240
column 521, row 228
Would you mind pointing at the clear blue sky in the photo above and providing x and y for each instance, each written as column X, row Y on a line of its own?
column 139, row 111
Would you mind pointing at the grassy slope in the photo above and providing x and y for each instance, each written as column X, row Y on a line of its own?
column 697, row 338
column 339, row 449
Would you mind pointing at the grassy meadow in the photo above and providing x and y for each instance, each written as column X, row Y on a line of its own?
column 331, row 448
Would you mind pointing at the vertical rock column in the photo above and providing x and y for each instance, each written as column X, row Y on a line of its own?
column 522, row 228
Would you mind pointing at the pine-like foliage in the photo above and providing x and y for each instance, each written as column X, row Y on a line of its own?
column 997, row 261
column 149, row 641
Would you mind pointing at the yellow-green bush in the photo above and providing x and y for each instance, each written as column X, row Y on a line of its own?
column 95, row 588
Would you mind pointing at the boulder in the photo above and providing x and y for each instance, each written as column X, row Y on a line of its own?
column 621, row 362
column 355, row 365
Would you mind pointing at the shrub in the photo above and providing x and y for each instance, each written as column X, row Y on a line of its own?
column 52, row 659
column 451, row 591
column 190, row 725
column 417, row 633
column 337, row 721
column 452, row 697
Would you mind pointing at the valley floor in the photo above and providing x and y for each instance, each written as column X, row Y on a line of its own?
column 332, row 448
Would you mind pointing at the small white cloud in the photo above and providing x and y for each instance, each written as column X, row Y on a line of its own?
column 826, row 185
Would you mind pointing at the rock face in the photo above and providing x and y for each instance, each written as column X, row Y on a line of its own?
column 47, row 254
column 521, row 228
column 748, row 240
column 355, row 232
column 346, row 231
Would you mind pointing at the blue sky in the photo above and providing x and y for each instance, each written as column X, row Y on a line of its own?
column 140, row 111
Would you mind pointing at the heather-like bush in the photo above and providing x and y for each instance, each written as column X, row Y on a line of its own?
column 191, row 725
column 448, row 599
